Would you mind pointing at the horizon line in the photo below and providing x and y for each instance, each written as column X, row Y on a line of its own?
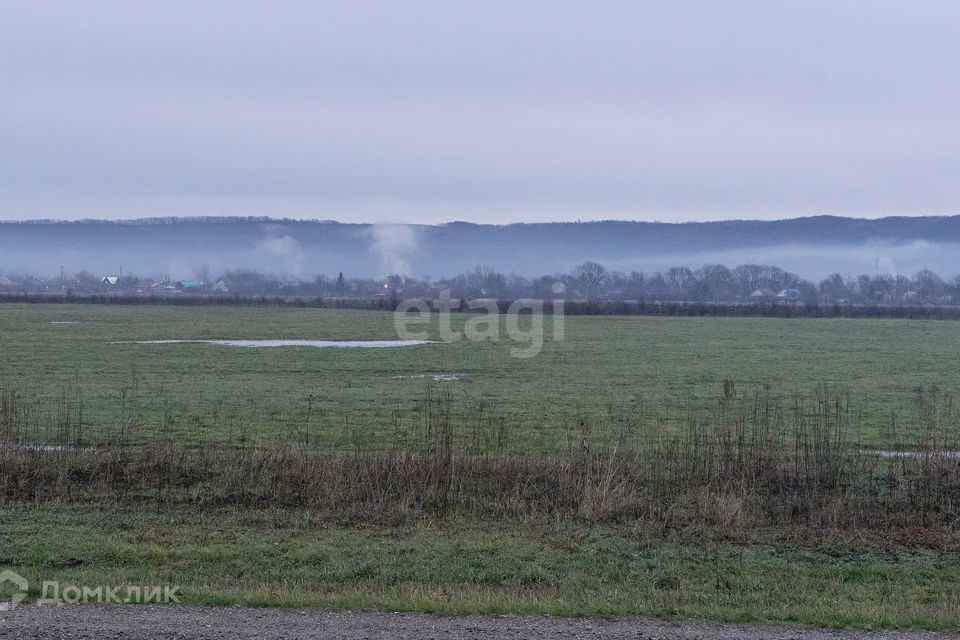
column 267, row 219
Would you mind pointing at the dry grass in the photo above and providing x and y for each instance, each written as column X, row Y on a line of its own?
column 734, row 473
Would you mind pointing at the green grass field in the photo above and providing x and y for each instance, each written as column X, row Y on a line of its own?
column 294, row 559
column 76, row 375
column 616, row 372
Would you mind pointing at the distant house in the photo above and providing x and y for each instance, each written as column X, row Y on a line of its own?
column 789, row 294
column 110, row 281
column 766, row 292
column 5, row 281
column 221, row 287
column 190, row 285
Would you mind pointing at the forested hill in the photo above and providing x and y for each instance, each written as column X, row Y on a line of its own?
column 811, row 246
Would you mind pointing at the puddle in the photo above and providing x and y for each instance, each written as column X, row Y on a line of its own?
column 949, row 454
column 439, row 377
column 64, row 322
column 319, row 344
column 49, row 447
column 448, row 377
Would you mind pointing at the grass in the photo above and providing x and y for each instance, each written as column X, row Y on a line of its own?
column 670, row 467
column 292, row 558
column 615, row 372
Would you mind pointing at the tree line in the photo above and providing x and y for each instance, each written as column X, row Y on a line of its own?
column 587, row 282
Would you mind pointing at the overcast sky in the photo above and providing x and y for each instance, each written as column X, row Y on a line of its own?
column 489, row 111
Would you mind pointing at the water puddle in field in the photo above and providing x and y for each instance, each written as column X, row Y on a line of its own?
column 949, row 454
column 319, row 344
column 436, row 377
column 49, row 447
column 64, row 322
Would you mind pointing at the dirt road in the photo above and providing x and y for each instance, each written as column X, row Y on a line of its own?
column 78, row 622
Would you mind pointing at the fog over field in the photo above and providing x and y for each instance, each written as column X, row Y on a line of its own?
column 812, row 247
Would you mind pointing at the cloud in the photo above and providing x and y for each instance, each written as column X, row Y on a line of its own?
column 283, row 249
column 816, row 261
column 495, row 112
column 393, row 245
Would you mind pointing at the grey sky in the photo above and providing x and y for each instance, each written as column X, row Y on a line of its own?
column 487, row 111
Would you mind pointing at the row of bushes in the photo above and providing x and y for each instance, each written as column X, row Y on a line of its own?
column 570, row 307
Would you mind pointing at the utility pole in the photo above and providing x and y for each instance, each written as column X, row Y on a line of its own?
column 62, row 290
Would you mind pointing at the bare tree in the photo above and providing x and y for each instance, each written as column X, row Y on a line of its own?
column 591, row 276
